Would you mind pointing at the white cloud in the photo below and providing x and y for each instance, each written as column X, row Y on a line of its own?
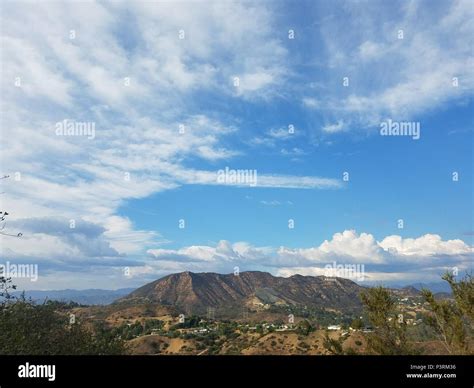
column 370, row 50
column 427, row 245
column 251, row 82
column 425, row 257
column 85, row 249
column 295, row 182
column 275, row 203
column 36, row 77
column 369, row 277
column 59, row 237
column 276, row 136
column 224, row 251
column 364, row 248
column 280, row 133
column 392, row 77
column 311, row 102
column 293, row 152
column 348, row 245
column 334, row 128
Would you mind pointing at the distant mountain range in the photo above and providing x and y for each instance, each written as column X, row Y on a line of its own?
column 438, row 287
column 196, row 292
column 89, row 297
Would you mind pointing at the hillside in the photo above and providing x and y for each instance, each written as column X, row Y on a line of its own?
column 196, row 292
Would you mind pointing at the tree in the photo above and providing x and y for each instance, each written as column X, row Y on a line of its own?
column 332, row 345
column 3, row 216
column 389, row 335
column 30, row 329
column 5, row 287
column 357, row 324
column 453, row 320
column 304, row 327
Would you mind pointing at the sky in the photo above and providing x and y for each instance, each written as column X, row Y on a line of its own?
column 140, row 139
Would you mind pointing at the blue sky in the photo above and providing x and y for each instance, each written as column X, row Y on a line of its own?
column 177, row 92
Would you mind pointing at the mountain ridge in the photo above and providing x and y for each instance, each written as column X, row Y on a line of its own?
column 196, row 292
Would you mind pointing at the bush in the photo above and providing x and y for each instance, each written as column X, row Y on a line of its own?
column 304, row 345
column 30, row 329
column 155, row 346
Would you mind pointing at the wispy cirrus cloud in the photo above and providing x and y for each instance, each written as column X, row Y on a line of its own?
column 413, row 63
column 135, row 72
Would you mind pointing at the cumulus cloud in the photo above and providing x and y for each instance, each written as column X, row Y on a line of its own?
column 427, row 245
column 59, row 237
column 429, row 254
column 223, row 251
column 392, row 260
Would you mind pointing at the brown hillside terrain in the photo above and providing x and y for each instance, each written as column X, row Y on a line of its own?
column 196, row 292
